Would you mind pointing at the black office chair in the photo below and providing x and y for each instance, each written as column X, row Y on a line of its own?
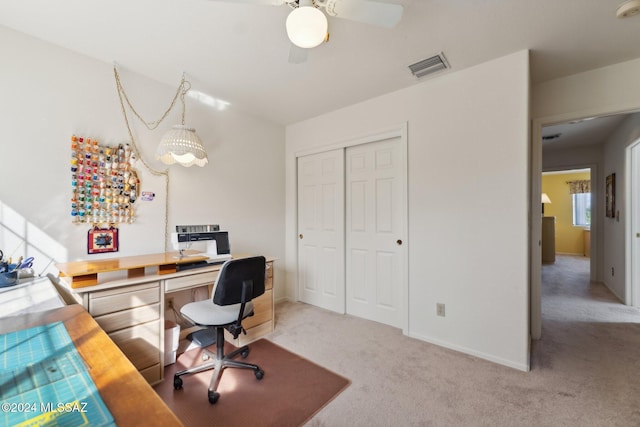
column 239, row 281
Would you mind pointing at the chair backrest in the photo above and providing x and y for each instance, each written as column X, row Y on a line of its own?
column 228, row 288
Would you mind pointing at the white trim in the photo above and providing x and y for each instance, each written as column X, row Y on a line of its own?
column 632, row 290
column 394, row 132
column 506, row 362
column 562, row 172
column 535, row 230
column 629, row 292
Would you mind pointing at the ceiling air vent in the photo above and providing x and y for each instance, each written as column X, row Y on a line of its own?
column 550, row 137
column 429, row 65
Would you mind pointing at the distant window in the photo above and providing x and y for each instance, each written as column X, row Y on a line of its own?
column 582, row 209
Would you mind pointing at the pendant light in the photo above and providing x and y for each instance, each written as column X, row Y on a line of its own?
column 181, row 144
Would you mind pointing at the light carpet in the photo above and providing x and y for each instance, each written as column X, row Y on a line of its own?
column 585, row 370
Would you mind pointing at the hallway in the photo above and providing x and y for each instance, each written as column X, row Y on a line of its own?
column 569, row 296
column 589, row 338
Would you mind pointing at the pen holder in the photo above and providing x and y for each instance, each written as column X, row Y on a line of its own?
column 8, row 279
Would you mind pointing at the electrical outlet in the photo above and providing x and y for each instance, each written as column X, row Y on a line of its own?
column 612, row 271
column 168, row 302
column 440, row 309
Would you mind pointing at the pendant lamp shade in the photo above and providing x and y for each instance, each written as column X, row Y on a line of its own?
column 181, row 145
column 306, row 26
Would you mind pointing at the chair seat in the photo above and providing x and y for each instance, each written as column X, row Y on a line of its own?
column 206, row 313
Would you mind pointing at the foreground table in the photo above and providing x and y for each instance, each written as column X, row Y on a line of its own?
column 130, row 399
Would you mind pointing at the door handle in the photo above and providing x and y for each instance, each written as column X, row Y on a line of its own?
column 399, row 242
column 301, row 236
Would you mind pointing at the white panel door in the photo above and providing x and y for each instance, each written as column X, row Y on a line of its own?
column 374, row 230
column 321, row 230
column 634, row 215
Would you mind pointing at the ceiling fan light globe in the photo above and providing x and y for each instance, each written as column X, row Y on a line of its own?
column 307, row 27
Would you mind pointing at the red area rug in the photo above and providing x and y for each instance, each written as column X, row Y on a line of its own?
column 292, row 391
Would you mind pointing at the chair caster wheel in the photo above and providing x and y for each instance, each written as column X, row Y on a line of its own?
column 177, row 383
column 244, row 353
column 259, row 374
column 213, row 397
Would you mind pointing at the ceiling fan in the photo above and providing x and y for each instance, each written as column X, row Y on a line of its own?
column 307, row 25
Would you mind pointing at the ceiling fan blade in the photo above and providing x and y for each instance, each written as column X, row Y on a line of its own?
column 260, row 2
column 370, row 12
column 298, row 55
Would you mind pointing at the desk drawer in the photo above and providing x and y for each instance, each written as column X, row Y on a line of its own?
column 141, row 344
column 153, row 374
column 268, row 279
column 113, row 300
column 191, row 281
column 253, row 334
column 262, row 309
column 124, row 319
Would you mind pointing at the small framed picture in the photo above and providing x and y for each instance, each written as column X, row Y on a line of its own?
column 101, row 240
column 610, row 196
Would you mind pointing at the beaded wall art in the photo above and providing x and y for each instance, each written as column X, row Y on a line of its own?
column 104, row 184
column 100, row 240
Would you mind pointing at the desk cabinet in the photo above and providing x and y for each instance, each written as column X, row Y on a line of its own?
column 131, row 317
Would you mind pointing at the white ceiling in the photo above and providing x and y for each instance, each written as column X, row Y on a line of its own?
column 580, row 133
column 238, row 52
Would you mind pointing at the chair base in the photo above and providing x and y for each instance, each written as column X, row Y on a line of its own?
column 219, row 362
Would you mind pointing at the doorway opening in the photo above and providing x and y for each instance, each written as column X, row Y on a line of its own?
column 598, row 142
column 576, row 293
column 567, row 214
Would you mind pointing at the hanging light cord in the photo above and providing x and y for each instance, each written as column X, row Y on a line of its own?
column 183, row 88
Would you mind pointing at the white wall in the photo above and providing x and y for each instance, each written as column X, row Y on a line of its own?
column 467, row 138
column 611, row 89
column 558, row 159
column 614, row 228
column 49, row 93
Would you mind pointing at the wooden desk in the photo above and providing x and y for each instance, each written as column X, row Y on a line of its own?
column 130, row 307
column 130, row 399
column 85, row 273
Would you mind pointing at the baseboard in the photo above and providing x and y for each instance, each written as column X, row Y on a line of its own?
column 479, row 354
column 572, row 254
column 621, row 299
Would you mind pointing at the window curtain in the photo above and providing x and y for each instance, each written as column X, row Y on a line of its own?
column 580, row 186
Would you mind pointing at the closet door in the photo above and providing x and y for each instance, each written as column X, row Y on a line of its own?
column 321, row 230
column 375, row 227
